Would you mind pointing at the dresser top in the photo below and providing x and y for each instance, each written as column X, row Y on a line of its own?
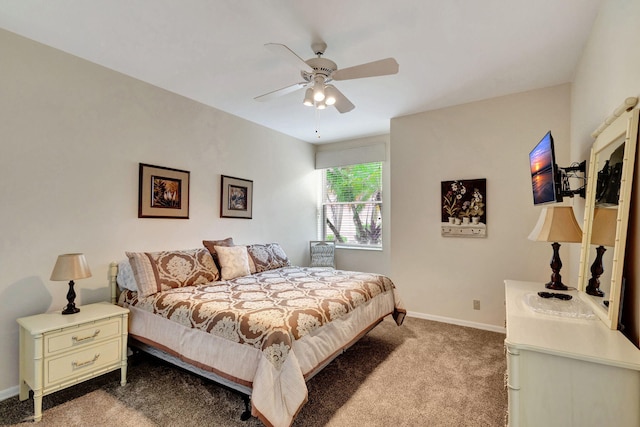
column 578, row 338
column 41, row 323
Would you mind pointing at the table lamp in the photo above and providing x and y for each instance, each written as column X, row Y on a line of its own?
column 70, row 267
column 603, row 233
column 556, row 224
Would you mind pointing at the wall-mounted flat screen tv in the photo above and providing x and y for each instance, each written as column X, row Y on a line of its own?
column 544, row 176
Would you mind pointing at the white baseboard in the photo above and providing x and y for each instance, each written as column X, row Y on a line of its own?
column 9, row 392
column 483, row 326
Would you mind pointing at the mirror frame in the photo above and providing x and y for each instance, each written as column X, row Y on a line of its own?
column 625, row 125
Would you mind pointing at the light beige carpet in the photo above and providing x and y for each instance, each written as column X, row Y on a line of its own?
column 96, row 408
column 423, row 373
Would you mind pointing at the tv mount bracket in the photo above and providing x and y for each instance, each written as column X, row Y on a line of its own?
column 576, row 171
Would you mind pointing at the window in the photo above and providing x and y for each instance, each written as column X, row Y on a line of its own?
column 352, row 205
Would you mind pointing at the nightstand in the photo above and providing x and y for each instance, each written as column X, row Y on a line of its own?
column 58, row 351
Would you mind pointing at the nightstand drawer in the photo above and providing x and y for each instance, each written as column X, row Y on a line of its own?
column 84, row 335
column 82, row 362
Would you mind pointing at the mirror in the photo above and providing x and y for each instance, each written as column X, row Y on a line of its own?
column 607, row 214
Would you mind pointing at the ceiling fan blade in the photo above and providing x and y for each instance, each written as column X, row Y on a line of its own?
column 279, row 92
column 382, row 67
column 288, row 55
column 343, row 105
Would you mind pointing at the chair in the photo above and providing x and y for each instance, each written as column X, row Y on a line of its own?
column 322, row 253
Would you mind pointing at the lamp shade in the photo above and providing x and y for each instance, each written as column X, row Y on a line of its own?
column 330, row 94
column 318, row 88
column 308, row 97
column 603, row 230
column 70, row 267
column 557, row 224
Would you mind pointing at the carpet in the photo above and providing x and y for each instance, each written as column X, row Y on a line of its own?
column 422, row 373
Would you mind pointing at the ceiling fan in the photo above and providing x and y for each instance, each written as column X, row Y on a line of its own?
column 319, row 72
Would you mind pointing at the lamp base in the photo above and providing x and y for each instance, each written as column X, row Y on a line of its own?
column 593, row 288
column 70, row 309
column 556, row 265
column 558, row 286
column 71, row 297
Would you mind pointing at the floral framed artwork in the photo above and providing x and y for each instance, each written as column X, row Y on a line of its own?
column 464, row 208
column 236, row 200
column 163, row 192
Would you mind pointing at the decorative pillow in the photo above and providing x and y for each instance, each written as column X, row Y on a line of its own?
column 321, row 260
column 211, row 245
column 267, row 257
column 234, row 261
column 322, row 255
column 125, row 278
column 159, row 271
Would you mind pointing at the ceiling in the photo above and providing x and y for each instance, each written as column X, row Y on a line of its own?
column 212, row 51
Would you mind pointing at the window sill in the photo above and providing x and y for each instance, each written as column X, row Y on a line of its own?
column 360, row 248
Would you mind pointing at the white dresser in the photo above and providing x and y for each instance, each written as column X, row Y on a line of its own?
column 564, row 371
column 57, row 351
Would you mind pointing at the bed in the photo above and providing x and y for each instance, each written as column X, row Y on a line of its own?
column 247, row 319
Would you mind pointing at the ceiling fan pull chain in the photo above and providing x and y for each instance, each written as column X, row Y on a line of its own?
column 317, row 112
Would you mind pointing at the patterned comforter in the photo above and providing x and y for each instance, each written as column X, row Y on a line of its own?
column 271, row 310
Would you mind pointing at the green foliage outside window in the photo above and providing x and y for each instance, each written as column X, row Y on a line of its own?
column 352, row 204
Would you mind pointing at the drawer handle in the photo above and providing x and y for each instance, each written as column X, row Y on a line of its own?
column 77, row 365
column 89, row 337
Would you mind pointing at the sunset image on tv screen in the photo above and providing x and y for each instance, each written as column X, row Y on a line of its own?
column 541, row 159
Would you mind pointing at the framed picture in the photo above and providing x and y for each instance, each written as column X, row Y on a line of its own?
column 163, row 192
column 236, row 198
column 464, row 208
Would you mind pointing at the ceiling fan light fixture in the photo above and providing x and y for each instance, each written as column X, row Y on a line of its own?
column 308, row 98
column 318, row 88
column 330, row 95
column 317, row 72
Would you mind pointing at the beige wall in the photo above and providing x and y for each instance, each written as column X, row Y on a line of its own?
column 72, row 135
column 439, row 277
column 608, row 73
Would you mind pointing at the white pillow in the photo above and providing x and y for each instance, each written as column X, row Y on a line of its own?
column 234, row 261
column 125, row 278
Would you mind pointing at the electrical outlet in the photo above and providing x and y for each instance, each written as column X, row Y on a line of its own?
column 476, row 304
